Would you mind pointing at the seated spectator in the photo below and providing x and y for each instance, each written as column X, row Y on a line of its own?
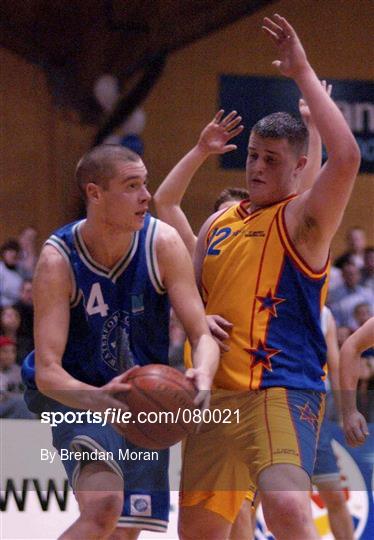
column 10, row 323
column 12, row 404
column 28, row 252
column 10, row 280
column 335, row 278
column 343, row 299
column 25, row 308
column 367, row 272
column 356, row 244
column 362, row 313
column 342, row 333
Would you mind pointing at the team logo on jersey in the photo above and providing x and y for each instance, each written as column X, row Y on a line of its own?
column 137, row 304
column 115, row 342
column 140, row 505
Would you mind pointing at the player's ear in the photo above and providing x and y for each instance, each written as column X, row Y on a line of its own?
column 92, row 192
column 301, row 162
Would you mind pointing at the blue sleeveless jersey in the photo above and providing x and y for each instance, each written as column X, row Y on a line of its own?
column 119, row 317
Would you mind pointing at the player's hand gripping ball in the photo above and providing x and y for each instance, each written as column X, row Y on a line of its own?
column 161, row 400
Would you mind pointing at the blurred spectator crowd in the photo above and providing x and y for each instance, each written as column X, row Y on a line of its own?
column 350, row 298
column 17, row 263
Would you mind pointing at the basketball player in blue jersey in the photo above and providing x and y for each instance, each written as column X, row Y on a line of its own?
column 263, row 267
column 102, row 289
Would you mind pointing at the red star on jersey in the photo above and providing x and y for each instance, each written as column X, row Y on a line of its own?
column 262, row 355
column 308, row 415
column 270, row 303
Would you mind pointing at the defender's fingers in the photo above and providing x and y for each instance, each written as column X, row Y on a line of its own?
column 218, row 116
column 228, row 118
column 285, row 25
column 234, row 122
column 236, row 131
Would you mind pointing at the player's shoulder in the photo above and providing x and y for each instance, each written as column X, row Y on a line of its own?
column 166, row 234
column 51, row 263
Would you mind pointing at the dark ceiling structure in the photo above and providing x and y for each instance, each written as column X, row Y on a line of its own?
column 77, row 41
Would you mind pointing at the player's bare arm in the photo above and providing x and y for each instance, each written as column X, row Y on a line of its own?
column 213, row 140
column 310, row 172
column 218, row 325
column 314, row 217
column 52, row 292
column 355, row 426
column 333, row 360
column 178, row 278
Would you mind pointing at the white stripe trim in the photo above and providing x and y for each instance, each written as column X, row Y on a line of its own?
column 151, row 256
column 56, row 242
column 124, row 262
column 85, row 256
column 149, row 524
column 320, row 478
column 91, row 444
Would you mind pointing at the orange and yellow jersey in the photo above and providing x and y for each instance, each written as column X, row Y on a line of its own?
column 253, row 277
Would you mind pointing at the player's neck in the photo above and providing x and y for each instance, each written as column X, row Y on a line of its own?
column 105, row 245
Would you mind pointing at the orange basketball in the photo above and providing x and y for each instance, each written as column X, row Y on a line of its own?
column 161, row 401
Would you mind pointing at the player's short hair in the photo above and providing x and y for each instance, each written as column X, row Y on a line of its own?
column 282, row 125
column 99, row 165
column 230, row 194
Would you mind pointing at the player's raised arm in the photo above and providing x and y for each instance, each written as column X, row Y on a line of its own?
column 213, row 140
column 310, row 172
column 316, row 215
column 178, row 278
column 355, row 427
column 52, row 292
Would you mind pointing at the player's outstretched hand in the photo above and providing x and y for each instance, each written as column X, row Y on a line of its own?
column 355, row 428
column 292, row 58
column 216, row 135
column 303, row 106
column 219, row 328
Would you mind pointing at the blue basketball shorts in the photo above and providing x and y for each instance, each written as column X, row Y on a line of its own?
column 144, row 472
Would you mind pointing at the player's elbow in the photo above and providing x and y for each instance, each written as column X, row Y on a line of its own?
column 349, row 158
column 43, row 380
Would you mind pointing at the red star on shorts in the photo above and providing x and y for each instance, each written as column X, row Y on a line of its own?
column 270, row 303
column 262, row 355
column 308, row 415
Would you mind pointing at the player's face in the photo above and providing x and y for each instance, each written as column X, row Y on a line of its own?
column 126, row 197
column 271, row 171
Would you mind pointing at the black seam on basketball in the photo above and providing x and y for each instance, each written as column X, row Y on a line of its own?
column 152, row 397
column 157, row 375
column 160, row 406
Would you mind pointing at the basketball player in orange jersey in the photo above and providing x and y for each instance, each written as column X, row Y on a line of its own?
column 262, row 266
column 213, row 140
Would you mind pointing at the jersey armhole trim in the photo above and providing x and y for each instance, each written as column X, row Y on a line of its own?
column 64, row 250
column 290, row 249
column 151, row 257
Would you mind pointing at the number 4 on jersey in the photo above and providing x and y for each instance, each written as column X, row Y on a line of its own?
column 96, row 302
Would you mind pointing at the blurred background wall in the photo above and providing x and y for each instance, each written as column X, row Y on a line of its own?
column 40, row 144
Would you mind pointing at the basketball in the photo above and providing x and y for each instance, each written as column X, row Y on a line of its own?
column 161, row 401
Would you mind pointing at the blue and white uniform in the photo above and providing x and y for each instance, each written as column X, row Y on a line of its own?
column 119, row 318
column 325, row 467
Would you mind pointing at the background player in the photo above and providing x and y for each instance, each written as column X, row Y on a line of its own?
column 326, row 473
column 354, row 423
column 100, row 308
column 285, row 350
